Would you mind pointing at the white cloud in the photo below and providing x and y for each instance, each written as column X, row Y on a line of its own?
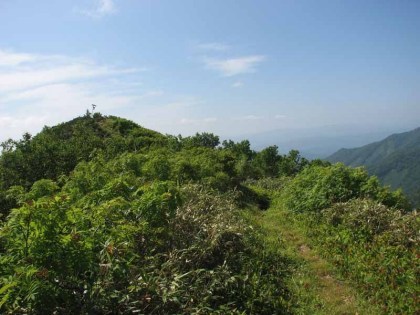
column 249, row 117
column 8, row 58
column 106, row 6
column 31, row 109
column 237, row 84
column 280, row 116
column 32, row 77
column 234, row 66
column 14, row 127
column 23, row 71
column 101, row 9
column 47, row 89
column 213, row 46
column 62, row 97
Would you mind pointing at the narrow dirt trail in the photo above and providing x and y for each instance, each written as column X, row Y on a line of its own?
column 317, row 287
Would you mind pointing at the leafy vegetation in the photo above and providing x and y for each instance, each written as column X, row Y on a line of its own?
column 366, row 230
column 57, row 150
column 376, row 247
column 110, row 241
column 102, row 216
column 317, row 287
column 119, row 219
column 319, row 187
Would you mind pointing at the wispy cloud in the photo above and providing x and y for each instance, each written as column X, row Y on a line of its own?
column 249, row 117
column 22, row 71
column 9, row 58
column 31, row 109
column 234, row 66
column 217, row 47
column 101, row 8
column 280, row 116
column 37, row 89
column 237, row 84
column 40, row 89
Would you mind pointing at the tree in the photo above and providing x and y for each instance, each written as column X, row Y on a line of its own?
column 242, row 148
column 292, row 163
column 204, row 139
column 268, row 160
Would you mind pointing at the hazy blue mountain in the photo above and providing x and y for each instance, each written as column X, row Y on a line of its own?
column 320, row 142
column 395, row 160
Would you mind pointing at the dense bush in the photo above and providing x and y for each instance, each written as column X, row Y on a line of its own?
column 113, row 240
column 57, row 150
column 319, row 187
column 363, row 228
column 376, row 247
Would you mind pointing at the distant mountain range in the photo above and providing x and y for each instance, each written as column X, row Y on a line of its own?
column 322, row 141
column 395, row 160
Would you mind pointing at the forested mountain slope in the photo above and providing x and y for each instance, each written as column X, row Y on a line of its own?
column 395, row 160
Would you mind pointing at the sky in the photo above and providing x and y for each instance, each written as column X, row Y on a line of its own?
column 224, row 66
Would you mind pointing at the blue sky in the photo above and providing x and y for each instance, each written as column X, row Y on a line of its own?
column 230, row 67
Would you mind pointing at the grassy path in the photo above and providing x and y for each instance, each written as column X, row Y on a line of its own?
column 317, row 287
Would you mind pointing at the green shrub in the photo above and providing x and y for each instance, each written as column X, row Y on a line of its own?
column 109, row 242
column 376, row 247
column 319, row 187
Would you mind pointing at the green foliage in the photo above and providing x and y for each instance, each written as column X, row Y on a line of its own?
column 157, row 166
column 261, row 191
column 133, row 234
column 268, row 161
column 242, row 148
column 43, row 188
column 205, row 139
column 101, row 216
column 319, row 187
column 363, row 228
column 376, row 247
column 215, row 168
column 57, row 150
column 292, row 163
column 127, row 248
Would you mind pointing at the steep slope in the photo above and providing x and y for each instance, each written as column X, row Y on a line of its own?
column 395, row 160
